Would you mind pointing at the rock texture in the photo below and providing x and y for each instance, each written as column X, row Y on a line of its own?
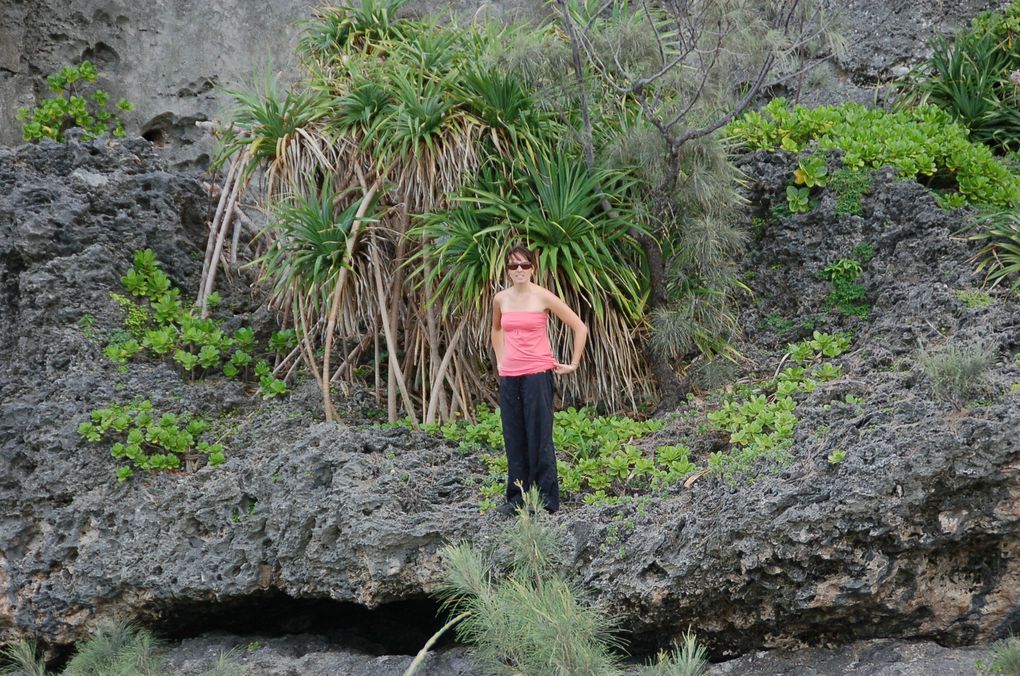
column 866, row 658
column 915, row 535
column 304, row 655
column 173, row 58
column 885, row 39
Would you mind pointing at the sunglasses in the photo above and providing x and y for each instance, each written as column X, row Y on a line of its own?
column 518, row 266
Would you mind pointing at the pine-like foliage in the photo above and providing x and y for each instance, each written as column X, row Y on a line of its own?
column 116, row 649
column 21, row 658
column 530, row 619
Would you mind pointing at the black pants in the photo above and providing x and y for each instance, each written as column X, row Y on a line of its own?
column 525, row 406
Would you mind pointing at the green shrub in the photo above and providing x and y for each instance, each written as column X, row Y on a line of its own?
column 21, row 658
column 850, row 186
column 147, row 442
column 688, row 658
column 847, row 295
column 530, row 620
column 798, row 199
column 1000, row 255
column 116, row 649
column 71, row 105
column 227, row 665
column 957, row 371
column 971, row 78
column 165, row 328
column 1005, row 658
column 922, row 143
column 973, row 298
column 864, row 252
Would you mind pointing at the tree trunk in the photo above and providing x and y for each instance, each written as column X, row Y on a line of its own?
column 671, row 391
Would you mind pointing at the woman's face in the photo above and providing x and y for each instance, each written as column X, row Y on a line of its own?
column 519, row 268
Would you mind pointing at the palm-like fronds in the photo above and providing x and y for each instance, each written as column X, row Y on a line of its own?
column 350, row 27
column 467, row 248
column 1000, row 256
column 419, row 118
column 582, row 247
column 309, row 245
column 507, row 107
column 360, row 108
column 969, row 78
column 264, row 120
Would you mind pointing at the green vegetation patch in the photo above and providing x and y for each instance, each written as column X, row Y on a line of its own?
column 114, row 649
column 973, row 298
column 847, row 296
column 157, row 324
column 922, row 143
column 958, row 371
column 529, row 617
column 975, row 77
column 147, row 441
column 72, row 105
column 601, row 463
column 850, row 186
column 1005, row 658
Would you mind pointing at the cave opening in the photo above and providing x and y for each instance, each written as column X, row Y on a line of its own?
column 397, row 628
column 155, row 136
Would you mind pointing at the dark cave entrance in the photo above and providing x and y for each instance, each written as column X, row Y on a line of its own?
column 398, row 628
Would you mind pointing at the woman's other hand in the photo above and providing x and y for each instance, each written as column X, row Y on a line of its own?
column 564, row 369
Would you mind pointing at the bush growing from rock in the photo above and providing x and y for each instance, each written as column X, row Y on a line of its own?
column 688, row 658
column 1005, row 658
column 957, row 371
column 531, row 619
column 21, row 658
column 165, row 327
column 922, row 143
column 976, row 78
column 70, row 106
column 1000, row 256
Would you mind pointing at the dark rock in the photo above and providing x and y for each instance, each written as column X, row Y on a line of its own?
column 867, row 658
column 913, row 535
column 304, row 655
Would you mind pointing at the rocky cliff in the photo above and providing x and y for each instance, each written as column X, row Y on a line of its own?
column 915, row 534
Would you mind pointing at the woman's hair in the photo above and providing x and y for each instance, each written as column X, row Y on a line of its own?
column 521, row 251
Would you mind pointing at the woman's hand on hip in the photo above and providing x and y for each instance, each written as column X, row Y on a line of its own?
column 564, row 369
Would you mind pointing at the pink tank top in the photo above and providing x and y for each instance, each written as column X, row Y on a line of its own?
column 526, row 347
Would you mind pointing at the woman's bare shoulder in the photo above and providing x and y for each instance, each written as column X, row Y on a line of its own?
column 545, row 294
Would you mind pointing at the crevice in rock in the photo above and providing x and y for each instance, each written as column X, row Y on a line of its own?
column 398, row 628
column 155, row 136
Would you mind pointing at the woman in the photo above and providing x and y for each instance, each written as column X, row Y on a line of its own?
column 525, row 363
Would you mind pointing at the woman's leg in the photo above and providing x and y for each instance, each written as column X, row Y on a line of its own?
column 536, row 397
column 515, row 441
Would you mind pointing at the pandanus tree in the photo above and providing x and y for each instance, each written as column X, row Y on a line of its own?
column 395, row 181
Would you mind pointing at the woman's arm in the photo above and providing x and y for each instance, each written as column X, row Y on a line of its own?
column 570, row 318
column 496, row 334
